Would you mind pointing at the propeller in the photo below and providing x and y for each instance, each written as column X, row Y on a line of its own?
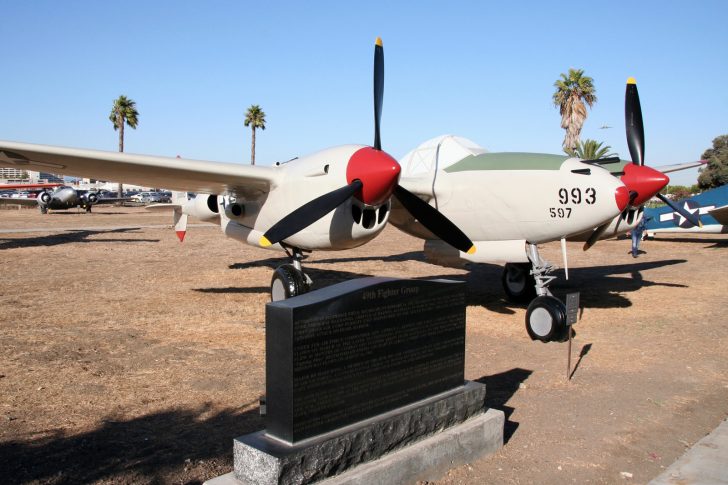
column 308, row 213
column 636, row 143
column 642, row 181
column 372, row 177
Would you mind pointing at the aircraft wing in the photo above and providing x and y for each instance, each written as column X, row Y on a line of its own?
column 171, row 173
column 18, row 201
column 720, row 214
column 680, row 166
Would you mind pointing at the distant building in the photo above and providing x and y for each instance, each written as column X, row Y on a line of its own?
column 49, row 178
column 13, row 176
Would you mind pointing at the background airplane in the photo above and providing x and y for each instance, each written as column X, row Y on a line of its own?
column 60, row 197
column 709, row 207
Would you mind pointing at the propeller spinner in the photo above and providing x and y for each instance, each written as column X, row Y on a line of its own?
column 372, row 176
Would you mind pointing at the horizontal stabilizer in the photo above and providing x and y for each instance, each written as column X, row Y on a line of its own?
column 162, row 207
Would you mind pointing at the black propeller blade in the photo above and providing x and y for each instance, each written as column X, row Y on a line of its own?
column 680, row 210
column 378, row 90
column 633, row 123
column 308, row 213
column 434, row 221
column 596, row 235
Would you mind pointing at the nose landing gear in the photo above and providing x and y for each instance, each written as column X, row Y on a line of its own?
column 546, row 314
column 289, row 280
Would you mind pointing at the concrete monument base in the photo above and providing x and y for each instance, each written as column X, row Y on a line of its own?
column 420, row 441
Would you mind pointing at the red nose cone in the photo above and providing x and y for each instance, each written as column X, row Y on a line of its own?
column 643, row 180
column 622, row 197
column 378, row 173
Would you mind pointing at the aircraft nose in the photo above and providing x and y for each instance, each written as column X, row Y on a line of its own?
column 378, row 173
column 621, row 195
column 643, row 181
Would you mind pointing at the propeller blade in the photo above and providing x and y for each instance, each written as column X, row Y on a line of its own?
column 680, row 210
column 596, row 235
column 633, row 123
column 378, row 90
column 308, row 213
column 434, row 221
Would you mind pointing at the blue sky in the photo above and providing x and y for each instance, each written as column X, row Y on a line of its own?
column 483, row 70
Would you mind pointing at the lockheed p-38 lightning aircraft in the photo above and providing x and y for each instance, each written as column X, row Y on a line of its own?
column 343, row 197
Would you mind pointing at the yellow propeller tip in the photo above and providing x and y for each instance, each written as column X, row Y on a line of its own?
column 472, row 249
column 264, row 242
column 700, row 223
column 378, row 41
column 631, row 80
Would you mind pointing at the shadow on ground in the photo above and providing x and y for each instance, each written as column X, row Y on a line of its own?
column 600, row 286
column 499, row 389
column 140, row 450
column 68, row 238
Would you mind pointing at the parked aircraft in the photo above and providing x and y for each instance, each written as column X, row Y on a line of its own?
column 709, row 207
column 508, row 203
column 56, row 197
column 342, row 197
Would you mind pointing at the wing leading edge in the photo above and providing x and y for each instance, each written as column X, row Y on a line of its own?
column 152, row 171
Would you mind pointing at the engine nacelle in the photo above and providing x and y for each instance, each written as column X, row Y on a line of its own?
column 203, row 207
column 92, row 197
column 44, row 197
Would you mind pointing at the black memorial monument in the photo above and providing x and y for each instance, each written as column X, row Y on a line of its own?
column 356, row 370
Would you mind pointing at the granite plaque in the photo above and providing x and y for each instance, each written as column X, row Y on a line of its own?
column 360, row 348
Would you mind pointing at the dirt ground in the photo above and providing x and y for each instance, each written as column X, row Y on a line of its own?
column 127, row 357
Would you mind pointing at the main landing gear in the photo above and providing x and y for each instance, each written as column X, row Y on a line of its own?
column 546, row 314
column 289, row 280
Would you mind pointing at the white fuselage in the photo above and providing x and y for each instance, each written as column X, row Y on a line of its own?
column 501, row 208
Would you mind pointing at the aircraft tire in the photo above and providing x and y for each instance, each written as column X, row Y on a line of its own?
column 43, row 209
column 546, row 319
column 287, row 282
column 518, row 282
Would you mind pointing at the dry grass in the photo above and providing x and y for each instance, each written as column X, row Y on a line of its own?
column 127, row 357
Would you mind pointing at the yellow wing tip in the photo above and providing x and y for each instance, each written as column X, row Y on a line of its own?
column 264, row 242
column 631, row 80
column 472, row 249
column 378, row 41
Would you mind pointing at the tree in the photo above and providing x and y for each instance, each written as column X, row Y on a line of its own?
column 590, row 150
column 255, row 118
column 572, row 91
column 123, row 112
column 715, row 174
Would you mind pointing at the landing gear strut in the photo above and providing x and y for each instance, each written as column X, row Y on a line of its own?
column 289, row 280
column 546, row 314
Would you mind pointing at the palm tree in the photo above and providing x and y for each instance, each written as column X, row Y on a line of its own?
column 255, row 118
column 123, row 112
column 590, row 150
column 572, row 91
